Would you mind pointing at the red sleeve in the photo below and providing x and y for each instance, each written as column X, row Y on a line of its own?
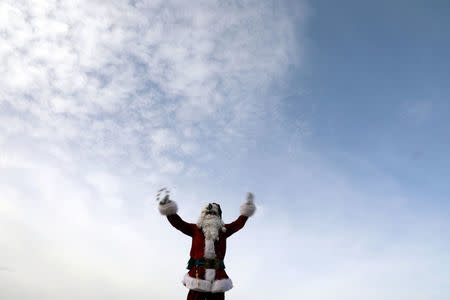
column 178, row 223
column 235, row 226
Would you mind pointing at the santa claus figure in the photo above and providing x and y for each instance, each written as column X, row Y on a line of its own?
column 207, row 278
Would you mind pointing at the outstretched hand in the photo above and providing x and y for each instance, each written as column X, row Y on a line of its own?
column 166, row 206
column 248, row 208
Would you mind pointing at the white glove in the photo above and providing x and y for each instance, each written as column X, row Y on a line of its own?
column 166, row 206
column 248, row 208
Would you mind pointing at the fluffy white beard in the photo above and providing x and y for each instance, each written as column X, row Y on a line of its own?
column 210, row 226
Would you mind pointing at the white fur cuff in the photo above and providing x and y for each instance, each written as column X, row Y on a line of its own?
column 169, row 208
column 223, row 285
column 199, row 285
column 248, row 209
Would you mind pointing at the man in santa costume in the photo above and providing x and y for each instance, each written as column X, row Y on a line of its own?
column 207, row 278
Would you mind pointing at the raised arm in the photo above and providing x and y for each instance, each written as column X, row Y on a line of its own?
column 247, row 210
column 169, row 208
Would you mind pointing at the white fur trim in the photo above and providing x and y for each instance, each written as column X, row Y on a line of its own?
column 199, row 285
column 210, row 252
column 223, row 285
column 248, row 209
column 210, row 274
column 169, row 208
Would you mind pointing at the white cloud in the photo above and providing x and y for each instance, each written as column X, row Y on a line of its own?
column 102, row 102
column 163, row 139
column 105, row 76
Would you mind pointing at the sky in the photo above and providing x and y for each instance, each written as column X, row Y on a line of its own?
column 335, row 115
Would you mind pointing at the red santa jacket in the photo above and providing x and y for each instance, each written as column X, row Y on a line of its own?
column 200, row 278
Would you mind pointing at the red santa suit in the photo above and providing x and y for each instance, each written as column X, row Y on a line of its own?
column 206, row 268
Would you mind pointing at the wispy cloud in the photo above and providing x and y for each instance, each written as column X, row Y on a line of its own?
column 109, row 78
column 101, row 102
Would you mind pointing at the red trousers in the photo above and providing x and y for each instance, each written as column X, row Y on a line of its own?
column 194, row 295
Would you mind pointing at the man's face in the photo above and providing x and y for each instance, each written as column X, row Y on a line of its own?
column 213, row 209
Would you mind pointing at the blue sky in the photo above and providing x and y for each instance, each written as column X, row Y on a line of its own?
column 336, row 116
column 385, row 71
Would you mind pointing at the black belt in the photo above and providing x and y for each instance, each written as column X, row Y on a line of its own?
column 207, row 263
